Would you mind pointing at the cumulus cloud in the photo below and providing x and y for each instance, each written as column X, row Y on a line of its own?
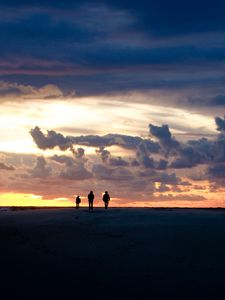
column 76, row 172
column 143, row 156
column 220, row 122
column 53, row 139
column 104, row 154
column 41, row 169
column 152, row 162
column 50, row 140
column 74, row 168
column 161, row 155
column 193, row 153
column 79, row 153
column 164, row 136
column 63, row 159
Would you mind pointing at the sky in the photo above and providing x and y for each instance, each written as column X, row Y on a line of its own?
column 123, row 96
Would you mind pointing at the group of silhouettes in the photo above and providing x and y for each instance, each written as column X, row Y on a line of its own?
column 91, row 197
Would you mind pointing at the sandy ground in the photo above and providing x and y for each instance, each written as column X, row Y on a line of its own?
column 113, row 254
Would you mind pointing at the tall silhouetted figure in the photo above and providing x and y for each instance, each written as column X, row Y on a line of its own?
column 78, row 201
column 91, row 197
column 106, row 199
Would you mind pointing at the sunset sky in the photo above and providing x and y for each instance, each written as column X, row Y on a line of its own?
column 124, row 96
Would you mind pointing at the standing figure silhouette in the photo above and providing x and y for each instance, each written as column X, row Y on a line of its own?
column 78, row 201
column 106, row 199
column 91, row 197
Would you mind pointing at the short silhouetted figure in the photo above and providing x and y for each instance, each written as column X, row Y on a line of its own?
column 91, row 197
column 106, row 199
column 78, row 201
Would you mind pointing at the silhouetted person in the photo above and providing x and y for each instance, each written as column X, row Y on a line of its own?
column 91, row 197
column 106, row 199
column 78, row 201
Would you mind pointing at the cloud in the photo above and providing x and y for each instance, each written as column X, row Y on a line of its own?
column 19, row 92
column 220, row 124
column 63, row 159
column 50, row 140
column 217, row 171
column 101, row 53
column 166, row 153
column 193, row 153
column 161, row 177
column 79, row 153
column 105, row 154
column 162, row 164
column 3, row 166
column 163, row 135
column 76, row 172
column 184, row 197
column 53, row 139
column 167, row 178
column 102, row 172
column 217, row 100
column 163, row 188
column 118, row 161
column 150, row 162
column 75, row 168
column 143, row 156
column 40, row 170
column 115, row 174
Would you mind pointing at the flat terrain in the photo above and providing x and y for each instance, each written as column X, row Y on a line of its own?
column 115, row 254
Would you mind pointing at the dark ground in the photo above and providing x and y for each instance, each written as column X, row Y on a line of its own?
column 114, row 254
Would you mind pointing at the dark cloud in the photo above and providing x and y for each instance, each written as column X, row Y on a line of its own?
column 79, row 153
column 217, row 171
column 208, row 101
column 143, row 156
column 161, row 177
column 167, row 178
column 118, row 161
column 63, row 159
column 162, row 164
column 178, row 154
column 51, row 140
column 91, row 44
column 193, row 153
column 220, row 122
column 163, row 135
column 105, row 154
column 3, row 166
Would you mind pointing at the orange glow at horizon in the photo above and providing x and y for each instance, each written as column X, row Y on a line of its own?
column 19, row 199
column 23, row 200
